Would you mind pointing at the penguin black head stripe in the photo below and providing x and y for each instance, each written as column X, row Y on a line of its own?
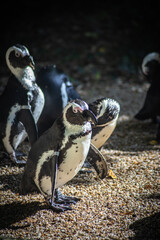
column 18, row 57
column 105, row 109
column 81, row 109
column 107, row 112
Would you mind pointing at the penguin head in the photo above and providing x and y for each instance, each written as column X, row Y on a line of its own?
column 77, row 113
column 151, row 66
column 105, row 109
column 18, row 59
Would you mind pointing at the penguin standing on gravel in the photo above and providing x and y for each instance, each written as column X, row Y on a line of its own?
column 21, row 103
column 58, row 155
column 151, row 107
column 58, row 90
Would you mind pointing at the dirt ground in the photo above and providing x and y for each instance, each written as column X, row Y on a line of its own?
column 102, row 53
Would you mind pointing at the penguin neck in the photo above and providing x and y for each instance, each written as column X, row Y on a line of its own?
column 71, row 129
column 25, row 76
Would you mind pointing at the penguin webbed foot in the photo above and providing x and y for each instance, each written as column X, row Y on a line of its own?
column 61, row 202
column 60, row 198
column 20, row 154
column 14, row 159
column 58, row 207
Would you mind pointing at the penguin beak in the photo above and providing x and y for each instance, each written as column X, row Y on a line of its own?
column 29, row 61
column 89, row 115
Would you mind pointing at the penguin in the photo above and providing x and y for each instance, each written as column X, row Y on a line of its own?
column 151, row 107
column 107, row 111
column 21, row 103
column 58, row 155
column 58, row 90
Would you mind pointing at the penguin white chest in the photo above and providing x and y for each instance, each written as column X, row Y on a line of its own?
column 10, row 122
column 39, row 104
column 74, row 159
column 101, row 137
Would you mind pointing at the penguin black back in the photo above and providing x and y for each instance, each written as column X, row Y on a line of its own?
column 58, row 90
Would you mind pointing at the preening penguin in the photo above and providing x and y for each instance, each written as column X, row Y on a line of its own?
column 58, row 155
column 107, row 111
column 58, row 90
column 151, row 107
column 21, row 103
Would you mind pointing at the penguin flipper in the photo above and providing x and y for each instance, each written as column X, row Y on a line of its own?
column 26, row 117
column 97, row 160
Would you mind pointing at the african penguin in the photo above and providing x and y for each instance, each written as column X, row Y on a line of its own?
column 21, row 102
column 58, row 155
column 151, row 107
column 58, row 90
column 107, row 111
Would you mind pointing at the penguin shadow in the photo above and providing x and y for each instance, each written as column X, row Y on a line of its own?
column 11, row 182
column 146, row 228
column 16, row 212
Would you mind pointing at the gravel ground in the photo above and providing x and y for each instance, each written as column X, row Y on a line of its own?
column 100, row 52
column 125, row 206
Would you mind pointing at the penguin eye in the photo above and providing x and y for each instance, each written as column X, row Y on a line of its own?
column 17, row 54
column 75, row 110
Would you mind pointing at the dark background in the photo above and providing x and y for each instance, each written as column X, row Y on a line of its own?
column 76, row 34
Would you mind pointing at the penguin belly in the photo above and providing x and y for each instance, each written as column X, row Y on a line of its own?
column 39, row 104
column 74, row 160
column 10, row 141
column 103, row 133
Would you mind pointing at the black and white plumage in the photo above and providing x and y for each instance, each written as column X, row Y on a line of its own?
column 21, row 103
column 59, row 154
column 58, row 90
column 107, row 111
column 151, row 107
